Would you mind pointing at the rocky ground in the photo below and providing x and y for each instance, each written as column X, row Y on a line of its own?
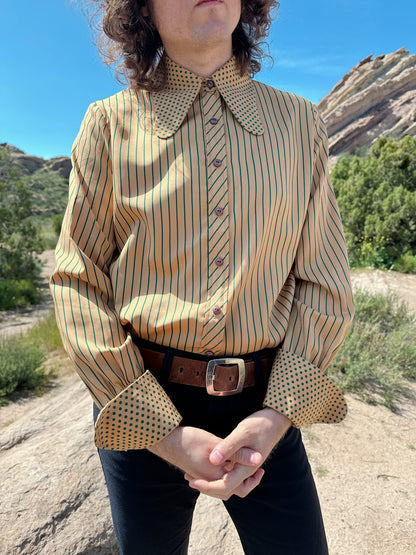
column 53, row 498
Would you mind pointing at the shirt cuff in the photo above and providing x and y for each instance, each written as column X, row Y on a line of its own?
column 302, row 392
column 138, row 417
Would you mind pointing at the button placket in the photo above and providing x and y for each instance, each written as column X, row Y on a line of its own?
column 218, row 227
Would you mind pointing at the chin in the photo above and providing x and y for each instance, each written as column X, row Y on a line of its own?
column 214, row 32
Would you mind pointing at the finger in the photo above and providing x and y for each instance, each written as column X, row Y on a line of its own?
column 227, row 447
column 234, row 447
column 224, row 487
column 244, row 455
column 247, row 456
column 249, row 484
column 228, row 465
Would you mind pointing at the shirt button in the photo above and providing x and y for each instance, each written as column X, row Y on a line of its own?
column 213, row 121
column 217, row 163
column 219, row 261
column 216, row 310
column 219, row 211
column 209, row 354
column 210, row 84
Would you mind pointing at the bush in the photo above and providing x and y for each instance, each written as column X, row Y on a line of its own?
column 57, row 222
column 46, row 334
column 17, row 293
column 22, row 357
column 384, row 311
column 406, row 264
column 379, row 352
column 20, row 366
column 49, row 190
column 377, row 200
column 19, row 235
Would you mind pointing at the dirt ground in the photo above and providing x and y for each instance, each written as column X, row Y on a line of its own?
column 365, row 467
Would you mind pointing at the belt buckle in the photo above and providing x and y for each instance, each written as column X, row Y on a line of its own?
column 210, row 375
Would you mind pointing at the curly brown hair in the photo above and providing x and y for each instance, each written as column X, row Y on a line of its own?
column 132, row 40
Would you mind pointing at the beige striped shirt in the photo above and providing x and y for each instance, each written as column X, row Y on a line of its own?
column 204, row 217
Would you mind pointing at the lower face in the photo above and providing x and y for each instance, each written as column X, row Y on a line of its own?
column 184, row 24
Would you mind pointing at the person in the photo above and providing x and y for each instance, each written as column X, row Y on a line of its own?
column 201, row 283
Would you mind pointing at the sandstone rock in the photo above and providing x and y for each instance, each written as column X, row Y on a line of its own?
column 53, row 497
column 52, row 491
column 376, row 98
column 28, row 164
column 61, row 165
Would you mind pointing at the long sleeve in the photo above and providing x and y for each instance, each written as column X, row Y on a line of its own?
column 135, row 410
column 322, row 307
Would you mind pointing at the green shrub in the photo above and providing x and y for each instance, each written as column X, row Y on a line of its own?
column 46, row 334
column 19, row 234
column 406, row 264
column 57, row 222
column 50, row 191
column 20, row 366
column 22, row 357
column 47, row 232
column 385, row 311
column 377, row 200
column 379, row 352
column 17, row 293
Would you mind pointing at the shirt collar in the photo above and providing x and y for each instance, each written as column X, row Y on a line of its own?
column 182, row 86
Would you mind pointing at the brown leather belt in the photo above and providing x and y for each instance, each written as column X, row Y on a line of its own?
column 220, row 376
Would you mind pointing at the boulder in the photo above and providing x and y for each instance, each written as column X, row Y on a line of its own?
column 52, row 491
column 61, row 165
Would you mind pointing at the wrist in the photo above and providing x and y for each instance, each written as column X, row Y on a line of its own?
column 278, row 420
column 166, row 444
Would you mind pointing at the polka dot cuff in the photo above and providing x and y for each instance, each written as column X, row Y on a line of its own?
column 303, row 392
column 141, row 415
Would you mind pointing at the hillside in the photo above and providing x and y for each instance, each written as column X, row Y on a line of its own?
column 29, row 164
column 47, row 179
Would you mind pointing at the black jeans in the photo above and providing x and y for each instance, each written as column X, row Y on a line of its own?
column 152, row 504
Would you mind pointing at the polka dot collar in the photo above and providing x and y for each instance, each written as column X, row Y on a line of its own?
column 173, row 102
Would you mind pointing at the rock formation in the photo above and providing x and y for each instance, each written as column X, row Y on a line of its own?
column 29, row 164
column 376, row 98
column 53, row 499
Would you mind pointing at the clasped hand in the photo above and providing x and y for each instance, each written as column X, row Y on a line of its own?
column 225, row 467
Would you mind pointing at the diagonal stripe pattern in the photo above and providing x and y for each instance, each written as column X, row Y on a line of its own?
column 218, row 218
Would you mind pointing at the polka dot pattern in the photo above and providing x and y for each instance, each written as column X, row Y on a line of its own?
column 303, row 392
column 239, row 93
column 140, row 416
column 173, row 102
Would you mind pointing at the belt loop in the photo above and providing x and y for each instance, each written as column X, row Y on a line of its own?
column 166, row 366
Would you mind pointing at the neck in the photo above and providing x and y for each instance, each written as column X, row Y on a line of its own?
column 202, row 63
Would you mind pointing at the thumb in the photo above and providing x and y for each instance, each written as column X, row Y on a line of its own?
column 233, row 448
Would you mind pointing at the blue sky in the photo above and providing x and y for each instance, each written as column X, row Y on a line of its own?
column 50, row 71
